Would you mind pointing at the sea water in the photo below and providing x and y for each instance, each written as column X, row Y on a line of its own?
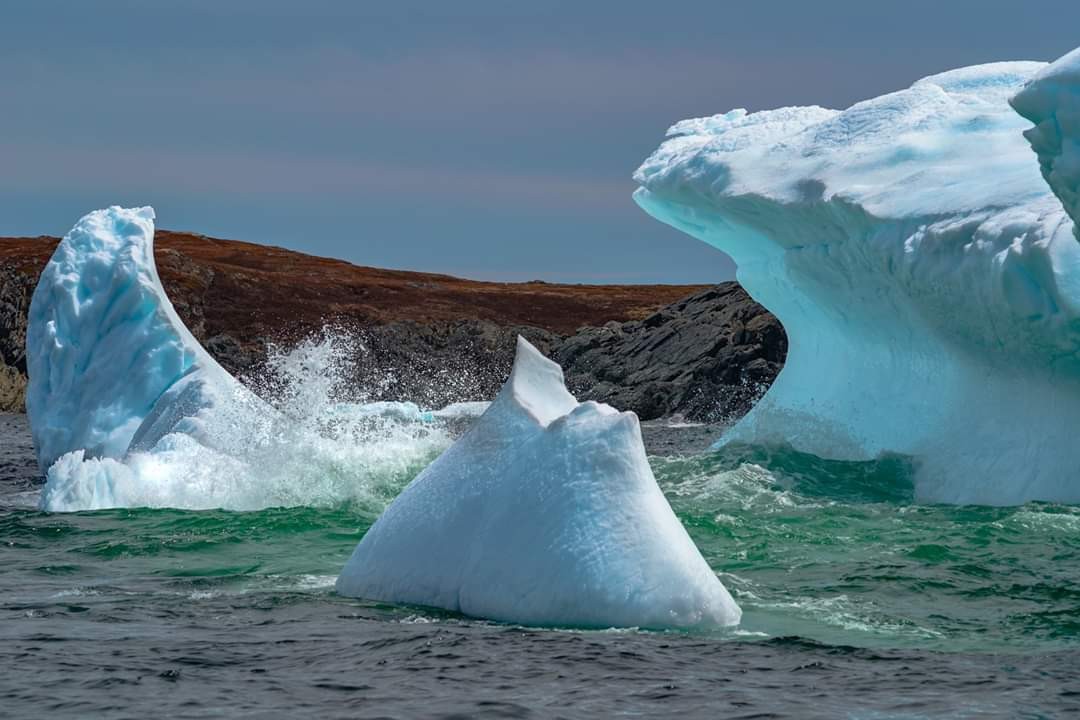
column 857, row 602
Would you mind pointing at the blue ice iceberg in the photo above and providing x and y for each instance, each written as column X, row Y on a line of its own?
column 106, row 350
column 927, row 273
column 545, row 513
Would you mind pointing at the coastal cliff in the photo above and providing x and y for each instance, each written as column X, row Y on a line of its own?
column 705, row 353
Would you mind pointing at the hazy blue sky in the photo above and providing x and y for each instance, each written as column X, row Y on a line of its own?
column 485, row 139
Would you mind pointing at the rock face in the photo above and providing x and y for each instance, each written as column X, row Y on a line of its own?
column 16, row 288
column 435, row 364
column 435, row 339
column 707, row 357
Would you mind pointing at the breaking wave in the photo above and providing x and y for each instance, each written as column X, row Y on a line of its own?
column 324, row 445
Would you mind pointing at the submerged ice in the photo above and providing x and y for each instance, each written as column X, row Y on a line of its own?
column 925, row 266
column 127, row 409
column 545, row 512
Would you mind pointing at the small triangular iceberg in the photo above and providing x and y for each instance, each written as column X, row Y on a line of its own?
column 545, row 512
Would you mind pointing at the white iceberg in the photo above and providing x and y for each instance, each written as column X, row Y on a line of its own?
column 927, row 275
column 106, row 350
column 544, row 513
column 127, row 409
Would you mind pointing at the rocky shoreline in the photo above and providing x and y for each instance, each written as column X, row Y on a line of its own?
column 707, row 357
column 705, row 353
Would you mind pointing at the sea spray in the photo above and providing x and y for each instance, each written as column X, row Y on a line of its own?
column 321, row 446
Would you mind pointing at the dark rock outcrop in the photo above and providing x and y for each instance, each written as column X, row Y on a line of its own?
column 435, row 339
column 437, row 364
column 16, row 288
column 707, row 357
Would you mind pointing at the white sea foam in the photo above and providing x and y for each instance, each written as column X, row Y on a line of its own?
column 309, row 449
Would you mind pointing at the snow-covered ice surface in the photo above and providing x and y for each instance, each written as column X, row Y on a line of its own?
column 1052, row 102
column 926, row 271
column 546, row 513
column 127, row 409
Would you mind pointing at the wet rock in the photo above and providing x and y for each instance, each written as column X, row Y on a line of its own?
column 16, row 289
column 437, row 364
column 12, row 390
column 707, row 357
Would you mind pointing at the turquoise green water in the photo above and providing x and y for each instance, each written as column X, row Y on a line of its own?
column 857, row 602
column 836, row 552
column 839, row 552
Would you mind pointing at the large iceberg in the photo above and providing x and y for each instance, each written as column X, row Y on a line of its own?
column 925, row 266
column 545, row 513
column 127, row 409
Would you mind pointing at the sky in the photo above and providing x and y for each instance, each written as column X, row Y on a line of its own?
column 486, row 139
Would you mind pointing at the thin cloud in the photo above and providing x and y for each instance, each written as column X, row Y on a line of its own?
column 59, row 169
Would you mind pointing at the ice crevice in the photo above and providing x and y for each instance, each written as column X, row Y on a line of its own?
column 924, row 264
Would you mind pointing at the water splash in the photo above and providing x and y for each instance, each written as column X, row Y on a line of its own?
column 325, row 445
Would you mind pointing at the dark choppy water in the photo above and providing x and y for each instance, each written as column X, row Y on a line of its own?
column 857, row 603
